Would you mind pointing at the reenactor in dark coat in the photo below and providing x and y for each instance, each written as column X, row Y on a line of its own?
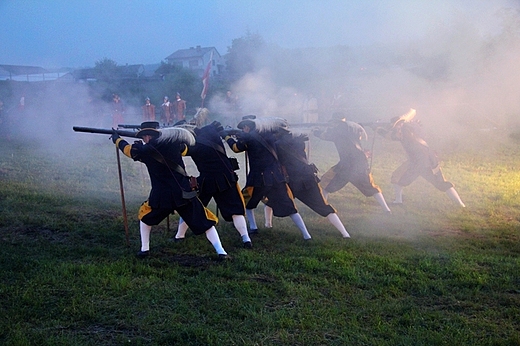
column 217, row 179
column 265, row 180
column 353, row 164
column 303, row 179
column 422, row 161
column 171, row 191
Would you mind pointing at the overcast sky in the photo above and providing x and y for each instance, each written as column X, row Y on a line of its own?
column 76, row 33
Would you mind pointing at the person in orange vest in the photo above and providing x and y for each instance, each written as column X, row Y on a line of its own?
column 148, row 110
column 167, row 111
column 118, row 111
column 180, row 108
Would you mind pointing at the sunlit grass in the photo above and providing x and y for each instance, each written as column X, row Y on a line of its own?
column 429, row 274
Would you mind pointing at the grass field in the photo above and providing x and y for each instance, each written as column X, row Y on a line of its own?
column 429, row 274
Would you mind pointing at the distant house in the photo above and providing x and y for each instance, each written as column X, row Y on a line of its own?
column 197, row 58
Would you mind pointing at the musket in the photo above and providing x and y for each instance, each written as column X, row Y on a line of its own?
column 105, row 131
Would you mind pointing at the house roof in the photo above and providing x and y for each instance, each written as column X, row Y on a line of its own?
column 23, row 70
column 193, row 52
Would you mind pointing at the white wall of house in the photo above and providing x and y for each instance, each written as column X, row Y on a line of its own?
column 199, row 63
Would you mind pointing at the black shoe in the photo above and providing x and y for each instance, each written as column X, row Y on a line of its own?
column 253, row 231
column 223, row 257
column 248, row 245
column 143, row 254
column 178, row 240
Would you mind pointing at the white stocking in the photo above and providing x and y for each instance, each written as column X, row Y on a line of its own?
column 250, row 213
column 398, row 191
column 381, row 200
column 240, row 224
column 454, row 196
column 214, row 239
column 181, row 229
column 298, row 221
column 268, row 214
column 145, row 231
column 336, row 222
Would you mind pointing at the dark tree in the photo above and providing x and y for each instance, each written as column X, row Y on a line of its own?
column 167, row 69
column 106, row 69
column 242, row 56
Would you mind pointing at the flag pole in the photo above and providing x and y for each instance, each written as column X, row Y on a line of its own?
column 205, row 80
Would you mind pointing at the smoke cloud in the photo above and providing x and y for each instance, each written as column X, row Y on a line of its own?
column 460, row 72
column 461, row 75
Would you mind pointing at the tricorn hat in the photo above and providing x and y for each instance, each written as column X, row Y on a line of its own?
column 149, row 128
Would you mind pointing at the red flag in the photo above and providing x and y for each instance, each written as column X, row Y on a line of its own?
column 205, row 78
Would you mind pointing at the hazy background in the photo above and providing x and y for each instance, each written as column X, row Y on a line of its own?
column 62, row 33
column 456, row 62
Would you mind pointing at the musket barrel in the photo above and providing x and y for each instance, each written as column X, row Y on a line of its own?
column 104, row 131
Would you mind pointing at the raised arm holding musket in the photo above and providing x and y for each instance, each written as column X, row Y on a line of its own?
column 161, row 151
column 421, row 161
column 123, row 133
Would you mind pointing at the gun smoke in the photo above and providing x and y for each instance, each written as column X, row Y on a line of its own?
column 461, row 76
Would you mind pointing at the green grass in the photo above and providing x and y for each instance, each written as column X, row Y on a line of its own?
column 429, row 274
